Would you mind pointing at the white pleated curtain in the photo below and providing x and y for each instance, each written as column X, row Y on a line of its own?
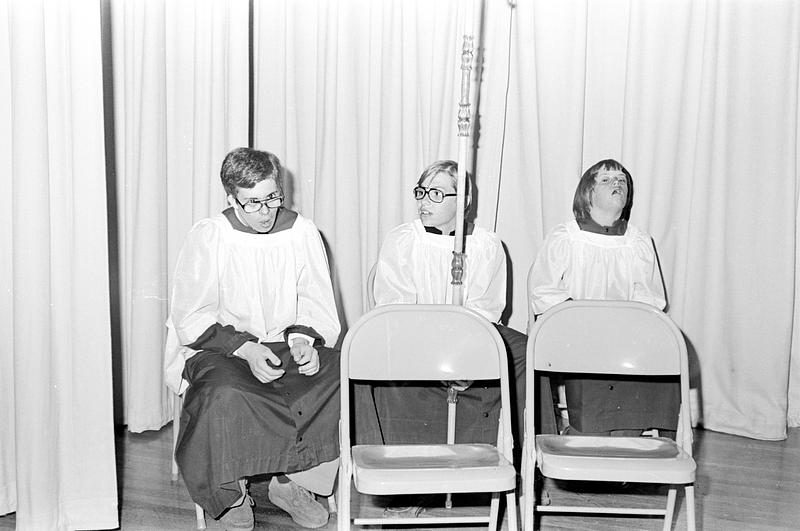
column 57, row 465
column 697, row 99
column 181, row 103
column 356, row 98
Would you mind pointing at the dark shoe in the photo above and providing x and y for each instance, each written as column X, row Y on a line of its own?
column 301, row 505
column 543, row 497
column 239, row 517
column 410, row 505
column 410, row 511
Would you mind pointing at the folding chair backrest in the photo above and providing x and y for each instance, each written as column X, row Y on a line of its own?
column 423, row 342
column 611, row 337
column 607, row 337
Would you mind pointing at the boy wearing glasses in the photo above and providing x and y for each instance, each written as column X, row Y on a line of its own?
column 253, row 302
column 414, row 268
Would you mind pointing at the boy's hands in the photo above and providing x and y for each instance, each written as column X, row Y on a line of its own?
column 264, row 364
column 257, row 356
column 306, row 356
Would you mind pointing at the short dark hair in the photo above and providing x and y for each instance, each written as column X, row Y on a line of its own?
column 582, row 202
column 245, row 167
column 449, row 168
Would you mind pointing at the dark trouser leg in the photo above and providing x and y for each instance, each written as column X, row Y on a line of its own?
column 516, row 344
column 234, row 426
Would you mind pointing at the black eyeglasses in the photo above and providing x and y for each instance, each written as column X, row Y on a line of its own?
column 435, row 195
column 273, row 200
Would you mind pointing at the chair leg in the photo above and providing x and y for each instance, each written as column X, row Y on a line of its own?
column 452, row 399
column 201, row 516
column 670, row 508
column 690, row 516
column 494, row 511
column 332, row 503
column 176, row 417
column 511, row 509
column 343, row 519
column 528, row 497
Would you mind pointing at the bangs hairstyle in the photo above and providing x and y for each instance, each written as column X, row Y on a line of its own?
column 582, row 203
column 449, row 168
column 245, row 167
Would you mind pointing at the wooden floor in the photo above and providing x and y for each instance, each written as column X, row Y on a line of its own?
column 742, row 484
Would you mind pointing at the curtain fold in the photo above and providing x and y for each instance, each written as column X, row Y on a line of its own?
column 181, row 94
column 356, row 98
column 57, row 438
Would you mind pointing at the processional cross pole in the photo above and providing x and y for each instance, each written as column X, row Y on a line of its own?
column 459, row 257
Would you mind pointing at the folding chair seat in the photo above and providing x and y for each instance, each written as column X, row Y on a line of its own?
column 608, row 338
column 404, row 342
column 453, row 390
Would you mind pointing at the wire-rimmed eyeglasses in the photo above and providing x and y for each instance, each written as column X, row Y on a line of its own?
column 255, row 205
column 435, row 195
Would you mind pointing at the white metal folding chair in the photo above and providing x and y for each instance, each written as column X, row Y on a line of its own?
column 453, row 390
column 404, row 342
column 612, row 338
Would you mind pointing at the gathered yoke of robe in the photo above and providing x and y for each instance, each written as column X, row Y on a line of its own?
column 414, row 268
column 580, row 264
column 252, row 285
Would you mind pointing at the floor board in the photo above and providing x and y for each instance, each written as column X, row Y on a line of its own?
column 742, row 484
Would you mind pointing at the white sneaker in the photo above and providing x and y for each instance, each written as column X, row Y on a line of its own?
column 239, row 517
column 301, row 505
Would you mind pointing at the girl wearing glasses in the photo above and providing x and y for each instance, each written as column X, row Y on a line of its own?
column 600, row 255
column 414, row 268
column 253, row 302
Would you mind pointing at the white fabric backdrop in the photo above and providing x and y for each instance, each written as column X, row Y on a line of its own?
column 697, row 99
column 57, row 466
column 356, row 97
column 181, row 103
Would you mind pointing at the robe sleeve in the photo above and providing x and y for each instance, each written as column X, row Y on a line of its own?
column 316, row 308
column 394, row 283
column 487, row 284
column 648, row 285
column 546, row 276
column 223, row 339
column 194, row 302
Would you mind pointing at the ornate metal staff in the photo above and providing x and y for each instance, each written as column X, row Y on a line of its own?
column 457, row 265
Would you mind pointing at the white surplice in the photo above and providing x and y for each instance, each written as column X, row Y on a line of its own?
column 414, row 268
column 259, row 283
column 576, row 264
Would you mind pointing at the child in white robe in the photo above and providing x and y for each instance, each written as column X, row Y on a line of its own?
column 600, row 255
column 253, row 302
column 414, row 268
